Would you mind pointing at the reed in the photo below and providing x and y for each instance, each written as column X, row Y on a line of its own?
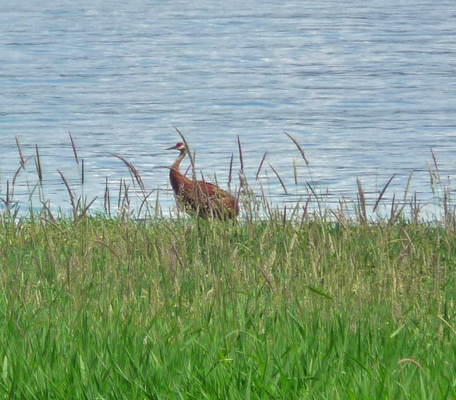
column 284, row 303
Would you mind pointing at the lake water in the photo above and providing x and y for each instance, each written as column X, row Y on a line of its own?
column 367, row 89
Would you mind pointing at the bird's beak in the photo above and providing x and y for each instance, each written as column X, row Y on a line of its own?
column 171, row 148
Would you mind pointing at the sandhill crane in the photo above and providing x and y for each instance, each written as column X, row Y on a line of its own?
column 199, row 197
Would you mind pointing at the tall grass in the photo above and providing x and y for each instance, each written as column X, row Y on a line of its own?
column 284, row 303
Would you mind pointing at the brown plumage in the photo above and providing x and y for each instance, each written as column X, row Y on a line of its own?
column 201, row 198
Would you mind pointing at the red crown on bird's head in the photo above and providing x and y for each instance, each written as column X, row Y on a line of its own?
column 179, row 146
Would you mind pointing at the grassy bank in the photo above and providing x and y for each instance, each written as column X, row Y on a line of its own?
column 304, row 303
column 180, row 309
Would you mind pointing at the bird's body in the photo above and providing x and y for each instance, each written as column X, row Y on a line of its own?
column 199, row 197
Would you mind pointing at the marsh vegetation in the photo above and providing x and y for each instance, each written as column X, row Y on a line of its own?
column 283, row 303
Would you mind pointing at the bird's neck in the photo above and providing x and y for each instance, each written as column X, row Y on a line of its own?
column 176, row 164
column 176, row 178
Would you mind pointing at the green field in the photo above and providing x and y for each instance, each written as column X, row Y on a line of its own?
column 102, row 308
column 282, row 304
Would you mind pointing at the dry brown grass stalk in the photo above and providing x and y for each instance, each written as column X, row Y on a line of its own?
column 21, row 156
column 241, row 158
column 107, row 199
column 261, row 165
column 75, row 152
column 189, row 153
column 231, row 171
column 267, row 279
column 280, row 179
column 436, row 165
column 109, row 248
column 52, row 223
column 135, row 176
column 38, row 166
column 298, row 146
column 295, row 171
column 361, row 202
column 396, row 212
column 70, row 192
column 382, row 193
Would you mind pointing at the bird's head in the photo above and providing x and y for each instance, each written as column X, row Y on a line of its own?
column 179, row 146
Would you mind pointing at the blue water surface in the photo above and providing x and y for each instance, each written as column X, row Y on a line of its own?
column 366, row 88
